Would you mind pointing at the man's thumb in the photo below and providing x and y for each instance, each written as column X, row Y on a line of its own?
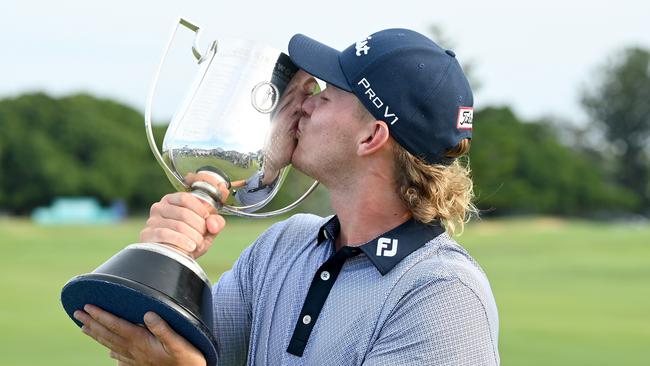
column 215, row 223
column 161, row 330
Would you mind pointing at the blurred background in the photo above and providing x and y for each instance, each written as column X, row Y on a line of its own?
column 560, row 156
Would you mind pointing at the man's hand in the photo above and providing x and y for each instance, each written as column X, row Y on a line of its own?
column 157, row 344
column 184, row 221
column 282, row 137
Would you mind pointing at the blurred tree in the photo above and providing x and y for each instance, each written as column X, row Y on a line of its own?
column 521, row 167
column 81, row 145
column 619, row 104
column 76, row 145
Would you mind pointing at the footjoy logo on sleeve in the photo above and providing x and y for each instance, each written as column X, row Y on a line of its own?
column 362, row 46
column 465, row 118
column 382, row 247
column 377, row 102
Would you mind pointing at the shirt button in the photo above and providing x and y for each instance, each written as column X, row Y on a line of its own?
column 306, row 319
column 324, row 275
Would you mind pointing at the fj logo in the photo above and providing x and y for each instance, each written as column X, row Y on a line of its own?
column 383, row 245
column 377, row 102
column 362, row 46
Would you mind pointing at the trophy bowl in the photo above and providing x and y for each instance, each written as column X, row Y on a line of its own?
column 223, row 128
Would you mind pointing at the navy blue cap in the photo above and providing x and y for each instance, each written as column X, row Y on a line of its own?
column 403, row 78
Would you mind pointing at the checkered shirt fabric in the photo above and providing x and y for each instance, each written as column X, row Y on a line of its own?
column 435, row 307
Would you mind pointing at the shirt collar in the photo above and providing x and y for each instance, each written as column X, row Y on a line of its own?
column 389, row 248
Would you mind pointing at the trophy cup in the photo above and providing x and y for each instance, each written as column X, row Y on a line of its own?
column 222, row 128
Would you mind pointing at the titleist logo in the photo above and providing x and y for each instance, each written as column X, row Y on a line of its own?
column 362, row 46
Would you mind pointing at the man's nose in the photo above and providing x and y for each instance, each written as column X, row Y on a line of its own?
column 308, row 105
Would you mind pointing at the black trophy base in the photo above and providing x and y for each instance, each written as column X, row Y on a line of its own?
column 129, row 292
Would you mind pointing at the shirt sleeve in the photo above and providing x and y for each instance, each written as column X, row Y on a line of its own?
column 231, row 298
column 440, row 323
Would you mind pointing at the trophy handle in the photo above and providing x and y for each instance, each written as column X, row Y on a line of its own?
column 200, row 56
column 176, row 180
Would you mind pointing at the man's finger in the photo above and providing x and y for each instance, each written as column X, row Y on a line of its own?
column 169, row 211
column 171, row 237
column 178, row 226
column 113, row 323
column 311, row 87
column 189, row 201
column 170, row 340
column 215, row 223
column 122, row 360
column 99, row 333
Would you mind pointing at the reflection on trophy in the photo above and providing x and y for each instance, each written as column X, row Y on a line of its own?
column 225, row 128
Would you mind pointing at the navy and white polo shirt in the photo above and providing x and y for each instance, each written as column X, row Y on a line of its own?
column 410, row 296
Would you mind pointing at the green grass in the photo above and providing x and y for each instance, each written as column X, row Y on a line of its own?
column 235, row 172
column 568, row 292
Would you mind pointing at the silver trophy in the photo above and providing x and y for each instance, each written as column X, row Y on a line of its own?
column 224, row 128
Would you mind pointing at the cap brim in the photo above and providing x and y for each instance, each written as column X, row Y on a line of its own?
column 319, row 60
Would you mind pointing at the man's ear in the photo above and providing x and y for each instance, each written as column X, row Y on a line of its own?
column 375, row 137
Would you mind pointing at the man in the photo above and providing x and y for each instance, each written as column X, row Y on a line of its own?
column 381, row 282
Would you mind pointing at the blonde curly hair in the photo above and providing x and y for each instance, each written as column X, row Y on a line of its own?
column 434, row 192
column 437, row 192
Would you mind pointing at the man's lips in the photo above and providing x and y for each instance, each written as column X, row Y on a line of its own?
column 298, row 129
